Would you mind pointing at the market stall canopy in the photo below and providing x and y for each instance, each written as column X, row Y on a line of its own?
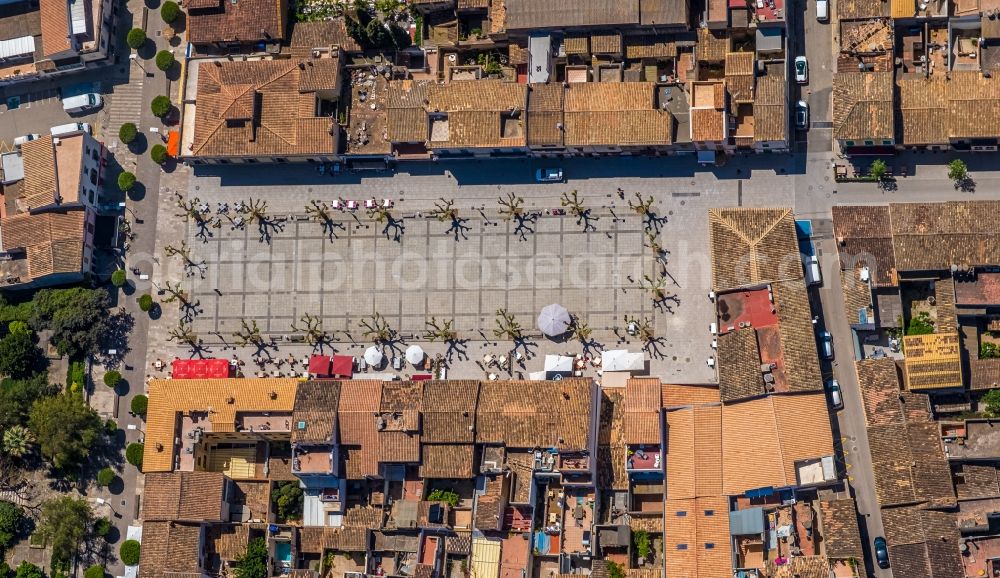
column 558, row 366
column 554, row 320
column 623, row 360
column 319, row 365
column 415, row 354
column 342, row 366
column 200, row 369
column 373, row 356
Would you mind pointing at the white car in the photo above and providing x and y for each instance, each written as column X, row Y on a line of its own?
column 24, row 138
column 82, row 102
column 549, row 175
column 801, row 70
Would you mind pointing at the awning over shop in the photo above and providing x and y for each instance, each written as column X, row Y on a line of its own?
column 319, row 365
column 200, row 369
column 342, row 366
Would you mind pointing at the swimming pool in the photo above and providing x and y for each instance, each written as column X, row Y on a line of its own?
column 283, row 553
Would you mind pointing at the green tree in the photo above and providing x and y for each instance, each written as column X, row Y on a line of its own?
column 448, row 496
column 133, row 454
column 64, row 523
column 94, row 571
column 615, row 570
column 158, row 153
column 145, row 302
column 126, row 181
column 77, row 318
column 112, row 378
column 287, row 497
column 129, row 552
column 118, row 277
column 4, row 570
column 105, row 476
column 66, row 429
column 11, row 520
column 958, row 171
column 135, row 39
column 160, row 106
column 17, row 441
column 28, row 570
column 641, row 540
column 253, row 563
column 164, row 60
column 102, row 527
column 877, row 170
column 19, row 327
column 17, row 395
column 140, row 404
column 127, row 133
column 992, row 402
column 170, row 11
column 19, row 356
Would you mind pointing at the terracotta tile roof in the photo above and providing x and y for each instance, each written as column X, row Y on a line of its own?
column 984, row 373
column 696, row 541
column 978, row 481
column 840, row 529
column 388, row 542
column 933, row 236
column 517, row 54
column 487, row 514
column 769, row 107
column 857, row 296
column 545, row 114
column 708, row 124
column 909, row 464
column 363, row 517
column 923, row 109
column 740, row 75
column 859, row 9
column 863, row 105
column 799, row 567
column 447, row 461
column 53, row 241
column 525, row 14
column 169, row 549
column 184, row 496
column 752, row 247
column 606, row 43
column 615, row 114
column 577, row 43
column 317, row 540
column 932, row 361
column 864, row 238
column 262, row 108
column 650, row 46
column 712, row 45
column 946, row 320
column 739, row 365
column 41, row 185
column 642, row 412
column 798, row 341
column 498, row 16
column 323, row 34
column 973, row 105
column 244, row 20
column 520, row 414
column 227, row 541
column 611, row 473
column 167, row 398
column 694, row 452
column 55, row 27
column 406, row 116
column 449, row 411
column 880, row 391
column 672, row 396
column 315, row 413
column 786, row 429
column 923, row 542
column 479, row 113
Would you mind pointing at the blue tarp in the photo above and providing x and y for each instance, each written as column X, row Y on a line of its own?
column 746, row 522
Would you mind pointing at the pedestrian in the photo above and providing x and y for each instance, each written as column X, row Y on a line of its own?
column 217, row 292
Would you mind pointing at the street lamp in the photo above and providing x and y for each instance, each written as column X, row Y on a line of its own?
column 135, row 59
column 125, row 207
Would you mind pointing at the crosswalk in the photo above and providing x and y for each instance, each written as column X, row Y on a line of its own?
column 127, row 106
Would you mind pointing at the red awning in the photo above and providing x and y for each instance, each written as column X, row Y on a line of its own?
column 319, row 365
column 421, row 377
column 173, row 143
column 343, row 366
column 200, row 369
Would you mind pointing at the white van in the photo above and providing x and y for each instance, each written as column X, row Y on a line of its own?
column 82, row 102
column 822, row 10
column 812, row 271
column 71, row 128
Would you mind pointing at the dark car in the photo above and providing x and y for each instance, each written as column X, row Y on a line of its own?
column 881, row 553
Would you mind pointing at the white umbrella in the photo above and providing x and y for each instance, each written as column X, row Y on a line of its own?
column 554, row 320
column 414, row 354
column 623, row 360
column 559, row 363
column 373, row 356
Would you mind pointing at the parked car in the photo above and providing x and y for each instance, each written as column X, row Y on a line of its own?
column 24, row 138
column 549, row 175
column 881, row 553
column 802, row 115
column 822, row 10
column 826, row 344
column 836, row 397
column 813, row 276
column 801, row 70
column 82, row 102
column 70, row 129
